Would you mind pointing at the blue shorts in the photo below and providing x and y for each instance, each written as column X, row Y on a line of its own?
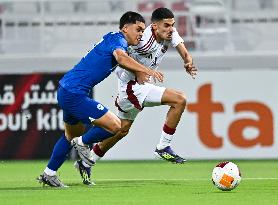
column 79, row 107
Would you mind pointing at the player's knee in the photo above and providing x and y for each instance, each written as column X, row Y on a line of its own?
column 124, row 133
column 125, row 129
column 181, row 100
column 115, row 126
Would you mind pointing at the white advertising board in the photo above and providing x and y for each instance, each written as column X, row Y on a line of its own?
column 231, row 113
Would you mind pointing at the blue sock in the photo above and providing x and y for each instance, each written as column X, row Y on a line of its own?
column 59, row 153
column 95, row 134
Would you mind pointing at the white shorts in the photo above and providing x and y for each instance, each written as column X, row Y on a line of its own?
column 133, row 97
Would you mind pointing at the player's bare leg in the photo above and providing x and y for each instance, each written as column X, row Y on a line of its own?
column 110, row 142
column 72, row 131
column 101, row 148
column 109, row 122
column 177, row 102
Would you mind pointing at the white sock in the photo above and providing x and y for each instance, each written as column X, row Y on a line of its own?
column 165, row 140
column 80, row 141
column 49, row 172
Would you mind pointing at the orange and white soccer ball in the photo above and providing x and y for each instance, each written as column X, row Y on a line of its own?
column 226, row 176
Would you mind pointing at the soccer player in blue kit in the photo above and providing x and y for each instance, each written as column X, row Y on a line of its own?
column 74, row 92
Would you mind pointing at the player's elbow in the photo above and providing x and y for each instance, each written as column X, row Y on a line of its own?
column 120, row 56
column 121, row 60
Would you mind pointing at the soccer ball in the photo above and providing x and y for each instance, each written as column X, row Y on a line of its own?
column 226, row 176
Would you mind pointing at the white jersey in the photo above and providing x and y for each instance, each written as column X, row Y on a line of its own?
column 148, row 52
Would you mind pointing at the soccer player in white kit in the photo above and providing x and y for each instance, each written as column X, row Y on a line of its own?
column 133, row 95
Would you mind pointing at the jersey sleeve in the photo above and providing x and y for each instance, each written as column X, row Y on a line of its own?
column 119, row 43
column 176, row 39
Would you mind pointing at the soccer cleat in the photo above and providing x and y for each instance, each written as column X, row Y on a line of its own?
column 52, row 181
column 168, row 154
column 84, row 152
column 85, row 173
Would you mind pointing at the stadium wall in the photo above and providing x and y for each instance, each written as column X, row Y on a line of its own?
column 231, row 113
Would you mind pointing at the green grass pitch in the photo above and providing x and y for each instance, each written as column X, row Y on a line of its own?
column 139, row 182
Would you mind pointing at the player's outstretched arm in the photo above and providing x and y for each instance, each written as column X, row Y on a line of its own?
column 130, row 64
column 188, row 60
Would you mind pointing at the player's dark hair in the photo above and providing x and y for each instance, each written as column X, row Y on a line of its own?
column 130, row 17
column 161, row 13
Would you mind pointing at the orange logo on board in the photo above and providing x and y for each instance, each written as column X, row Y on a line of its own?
column 205, row 108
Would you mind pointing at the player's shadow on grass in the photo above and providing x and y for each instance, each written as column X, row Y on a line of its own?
column 126, row 184
column 99, row 185
column 26, row 188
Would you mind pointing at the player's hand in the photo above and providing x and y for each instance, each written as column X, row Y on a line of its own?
column 157, row 75
column 142, row 77
column 190, row 68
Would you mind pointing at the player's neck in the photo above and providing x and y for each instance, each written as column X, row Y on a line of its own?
column 158, row 40
column 125, row 36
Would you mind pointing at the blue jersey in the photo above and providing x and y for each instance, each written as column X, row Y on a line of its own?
column 95, row 66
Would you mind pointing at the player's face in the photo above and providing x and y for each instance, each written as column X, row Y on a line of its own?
column 134, row 32
column 164, row 29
